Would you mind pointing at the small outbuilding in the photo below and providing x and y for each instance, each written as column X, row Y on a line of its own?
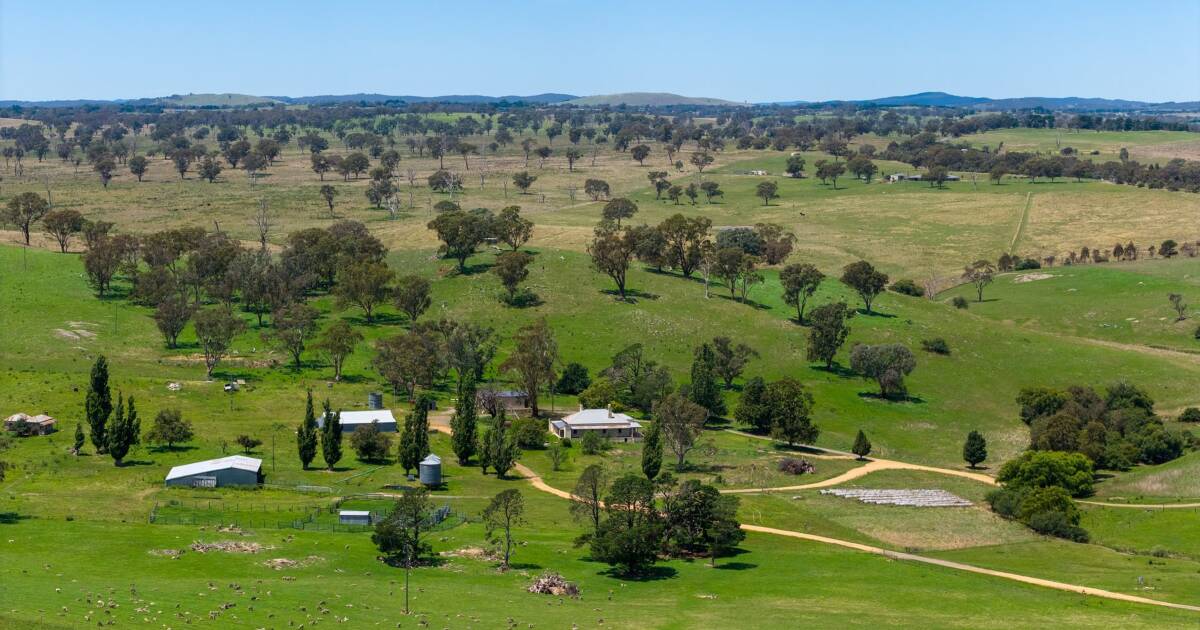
column 24, row 424
column 235, row 470
column 351, row 420
column 354, row 517
column 430, row 470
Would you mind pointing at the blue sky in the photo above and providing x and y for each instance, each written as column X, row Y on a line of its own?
column 744, row 51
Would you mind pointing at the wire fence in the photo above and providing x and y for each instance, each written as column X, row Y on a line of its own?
column 310, row 517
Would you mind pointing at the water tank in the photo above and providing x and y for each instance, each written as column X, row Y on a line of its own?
column 374, row 400
column 430, row 470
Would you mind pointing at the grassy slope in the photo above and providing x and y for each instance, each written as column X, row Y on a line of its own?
column 1118, row 302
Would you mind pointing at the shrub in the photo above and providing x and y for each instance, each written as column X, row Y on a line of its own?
column 793, row 466
column 1051, row 499
column 1005, row 501
column 1027, row 264
column 937, row 345
column 566, row 442
column 1197, row 333
column 1057, row 524
column 592, row 443
column 529, row 433
column 959, row 302
column 1042, row 469
column 908, row 287
column 370, row 444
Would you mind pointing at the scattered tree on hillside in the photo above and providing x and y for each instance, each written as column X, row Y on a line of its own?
column 679, row 422
column 979, row 273
column 652, row 451
column 888, row 364
column 800, row 281
column 365, row 285
column 511, row 228
column 512, row 268
column 61, row 225
column 412, row 296
column 336, row 343
column 588, row 496
column 169, row 429
column 790, row 405
column 612, row 250
column 827, row 332
column 23, row 210
column 703, row 389
column 974, row 449
column 767, row 190
column 532, row 360
column 505, row 511
column 731, row 358
column 865, row 281
column 862, row 446
column 215, row 329
column 619, row 208
column 293, row 327
column 1179, row 305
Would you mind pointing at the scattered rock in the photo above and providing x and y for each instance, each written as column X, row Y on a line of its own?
column 228, row 546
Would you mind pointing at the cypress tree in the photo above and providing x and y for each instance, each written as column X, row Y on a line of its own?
column 499, row 452
column 98, row 405
column 704, row 390
column 124, row 431
column 331, row 437
column 414, row 440
column 862, row 446
column 975, row 449
column 463, row 425
column 77, row 448
column 652, row 452
column 306, row 435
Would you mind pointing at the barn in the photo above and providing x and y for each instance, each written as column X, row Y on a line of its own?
column 235, row 470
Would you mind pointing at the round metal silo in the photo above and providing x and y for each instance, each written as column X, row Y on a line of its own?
column 430, row 470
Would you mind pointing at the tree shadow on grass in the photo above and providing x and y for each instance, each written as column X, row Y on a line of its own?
column 652, row 574
column 379, row 319
column 353, row 379
column 177, row 448
column 839, row 370
column 135, row 462
column 471, row 270
column 735, row 566
column 12, row 518
column 895, row 399
column 524, row 566
column 631, row 295
column 799, row 449
column 748, row 302
column 863, row 312
column 522, row 299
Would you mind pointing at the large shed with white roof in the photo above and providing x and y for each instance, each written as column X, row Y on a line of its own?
column 351, row 420
column 235, row 470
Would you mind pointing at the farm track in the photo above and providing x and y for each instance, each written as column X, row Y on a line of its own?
column 538, row 483
column 1012, row 246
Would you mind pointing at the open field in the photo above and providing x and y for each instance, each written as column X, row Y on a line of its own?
column 1144, row 146
column 1088, row 324
column 927, row 230
column 1122, row 303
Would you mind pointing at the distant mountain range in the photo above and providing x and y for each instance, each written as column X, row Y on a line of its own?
column 632, row 99
column 1067, row 103
column 648, row 99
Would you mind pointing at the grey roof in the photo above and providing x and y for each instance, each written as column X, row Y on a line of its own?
column 599, row 417
column 431, row 459
column 240, row 462
column 384, row 416
column 354, row 513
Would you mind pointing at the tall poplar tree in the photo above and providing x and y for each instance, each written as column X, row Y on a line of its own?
column 331, row 437
column 306, row 435
column 98, row 405
column 464, row 435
